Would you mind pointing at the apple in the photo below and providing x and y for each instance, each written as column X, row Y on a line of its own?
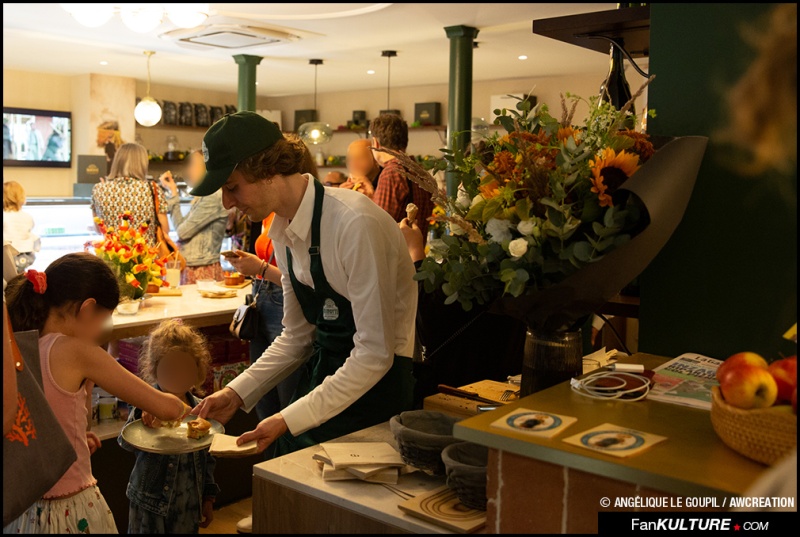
column 741, row 358
column 748, row 386
column 785, row 373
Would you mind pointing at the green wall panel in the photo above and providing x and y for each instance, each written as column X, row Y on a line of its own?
column 727, row 280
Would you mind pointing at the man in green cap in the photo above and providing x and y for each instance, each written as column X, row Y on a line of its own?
column 349, row 295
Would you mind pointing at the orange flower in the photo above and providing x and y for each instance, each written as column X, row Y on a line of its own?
column 600, row 189
column 504, row 165
column 641, row 144
column 565, row 132
column 489, row 190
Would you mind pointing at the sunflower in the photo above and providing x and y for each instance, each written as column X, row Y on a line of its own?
column 565, row 132
column 489, row 190
column 612, row 169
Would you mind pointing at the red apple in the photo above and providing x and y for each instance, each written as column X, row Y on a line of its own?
column 748, row 386
column 741, row 358
column 785, row 373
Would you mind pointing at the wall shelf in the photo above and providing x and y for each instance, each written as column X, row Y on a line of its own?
column 631, row 24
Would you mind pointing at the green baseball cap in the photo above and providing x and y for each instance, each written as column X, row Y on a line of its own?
column 228, row 142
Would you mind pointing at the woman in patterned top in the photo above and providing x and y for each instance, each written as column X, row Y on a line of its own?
column 128, row 189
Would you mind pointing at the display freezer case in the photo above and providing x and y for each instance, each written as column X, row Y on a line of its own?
column 65, row 225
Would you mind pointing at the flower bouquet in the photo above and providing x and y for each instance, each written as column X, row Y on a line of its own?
column 553, row 219
column 135, row 264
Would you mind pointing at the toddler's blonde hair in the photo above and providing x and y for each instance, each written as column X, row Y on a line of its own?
column 168, row 336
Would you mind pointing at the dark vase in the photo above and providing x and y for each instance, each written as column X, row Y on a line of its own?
column 550, row 358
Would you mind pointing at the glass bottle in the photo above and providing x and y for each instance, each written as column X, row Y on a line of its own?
column 615, row 88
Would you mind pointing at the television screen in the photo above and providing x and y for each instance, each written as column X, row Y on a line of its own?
column 37, row 138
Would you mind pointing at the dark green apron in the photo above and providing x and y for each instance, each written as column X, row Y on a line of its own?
column 332, row 314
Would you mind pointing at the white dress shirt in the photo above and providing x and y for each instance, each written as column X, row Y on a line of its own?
column 365, row 259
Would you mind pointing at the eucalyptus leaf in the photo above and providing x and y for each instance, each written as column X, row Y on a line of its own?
column 582, row 251
column 450, row 299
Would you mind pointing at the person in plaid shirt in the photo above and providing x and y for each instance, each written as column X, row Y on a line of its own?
column 395, row 191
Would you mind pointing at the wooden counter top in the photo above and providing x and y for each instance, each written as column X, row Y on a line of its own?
column 194, row 309
column 693, row 461
column 299, row 472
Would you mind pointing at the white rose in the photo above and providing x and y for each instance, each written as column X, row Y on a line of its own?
column 527, row 227
column 518, row 247
column 455, row 229
column 462, row 200
column 499, row 229
column 476, row 200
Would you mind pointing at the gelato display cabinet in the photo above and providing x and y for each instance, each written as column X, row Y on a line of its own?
column 65, row 225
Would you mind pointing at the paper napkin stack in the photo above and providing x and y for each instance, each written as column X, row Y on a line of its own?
column 373, row 462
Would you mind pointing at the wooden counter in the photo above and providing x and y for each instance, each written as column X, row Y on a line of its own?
column 195, row 310
column 290, row 496
column 692, row 462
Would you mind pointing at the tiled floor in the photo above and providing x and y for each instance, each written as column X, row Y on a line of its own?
column 225, row 518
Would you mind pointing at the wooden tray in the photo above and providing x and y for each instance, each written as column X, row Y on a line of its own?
column 168, row 291
column 441, row 507
column 209, row 294
column 239, row 286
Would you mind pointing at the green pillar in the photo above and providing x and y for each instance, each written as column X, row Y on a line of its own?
column 247, row 80
column 459, row 110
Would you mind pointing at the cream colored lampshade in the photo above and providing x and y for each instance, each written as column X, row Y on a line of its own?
column 147, row 112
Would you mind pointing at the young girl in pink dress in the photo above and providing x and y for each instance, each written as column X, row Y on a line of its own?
column 70, row 304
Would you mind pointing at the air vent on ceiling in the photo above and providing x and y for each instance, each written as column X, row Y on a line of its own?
column 228, row 36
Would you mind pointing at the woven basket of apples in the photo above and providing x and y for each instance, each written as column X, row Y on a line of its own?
column 754, row 409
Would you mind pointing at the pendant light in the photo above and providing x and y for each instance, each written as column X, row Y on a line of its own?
column 315, row 132
column 389, row 54
column 147, row 112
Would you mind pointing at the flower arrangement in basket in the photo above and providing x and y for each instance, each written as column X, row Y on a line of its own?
column 125, row 250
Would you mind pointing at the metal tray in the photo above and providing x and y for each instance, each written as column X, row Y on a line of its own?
column 168, row 441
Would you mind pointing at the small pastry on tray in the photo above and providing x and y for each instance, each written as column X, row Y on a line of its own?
column 198, row 428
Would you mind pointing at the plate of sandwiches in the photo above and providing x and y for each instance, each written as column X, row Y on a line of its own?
column 193, row 433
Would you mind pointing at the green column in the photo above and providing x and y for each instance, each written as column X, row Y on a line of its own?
column 247, row 80
column 459, row 109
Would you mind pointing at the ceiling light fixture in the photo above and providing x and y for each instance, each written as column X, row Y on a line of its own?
column 147, row 111
column 388, row 54
column 91, row 15
column 522, row 57
column 103, row 62
column 371, row 72
column 315, row 132
column 140, row 18
column 186, row 15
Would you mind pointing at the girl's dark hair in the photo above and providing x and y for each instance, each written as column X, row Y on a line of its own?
column 71, row 280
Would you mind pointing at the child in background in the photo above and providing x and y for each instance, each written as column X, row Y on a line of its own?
column 70, row 305
column 172, row 493
column 18, row 226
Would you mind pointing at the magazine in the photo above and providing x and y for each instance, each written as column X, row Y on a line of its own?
column 685, row 380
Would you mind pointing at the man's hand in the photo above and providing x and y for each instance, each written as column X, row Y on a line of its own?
column 359, row 184
column 93, row 441
column 414, row 240
column 247, row 263
column 207, row 513
column 167, row 181
column 269, row 430
column 220, row 406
